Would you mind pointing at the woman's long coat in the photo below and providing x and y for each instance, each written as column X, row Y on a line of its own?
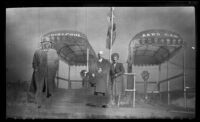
column 101, row 85
column 102, row 77
column 46, row 63
column 52, row 68
column 39, row 78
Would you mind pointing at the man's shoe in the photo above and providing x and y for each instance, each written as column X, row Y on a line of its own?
column 39, row 106
column 104, row 106
column 95, row 93
column 49, row 95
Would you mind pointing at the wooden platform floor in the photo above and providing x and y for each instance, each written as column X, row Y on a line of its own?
column 71, row 104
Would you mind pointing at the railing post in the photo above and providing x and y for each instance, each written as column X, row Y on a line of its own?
column 134, row 90
column 69, row 83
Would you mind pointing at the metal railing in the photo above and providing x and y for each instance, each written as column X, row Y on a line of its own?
column 133, row 90
column 67, row 80
column 184, row 91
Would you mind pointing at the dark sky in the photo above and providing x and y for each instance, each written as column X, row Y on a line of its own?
column 25, row 26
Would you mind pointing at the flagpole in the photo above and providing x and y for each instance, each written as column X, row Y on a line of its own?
column 110, row 51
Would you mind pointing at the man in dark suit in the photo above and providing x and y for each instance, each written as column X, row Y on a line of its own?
column 117, row 71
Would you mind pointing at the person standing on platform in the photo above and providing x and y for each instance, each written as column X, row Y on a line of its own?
column 52, row 66
column 45, row 65
column 101, row 97
column 117, row 71
column 102, row 74
column 39, row 79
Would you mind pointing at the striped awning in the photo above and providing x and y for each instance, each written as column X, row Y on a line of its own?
column 153, row 47
column 71, row 46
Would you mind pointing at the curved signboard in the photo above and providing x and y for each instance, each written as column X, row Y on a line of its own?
column 153, row 47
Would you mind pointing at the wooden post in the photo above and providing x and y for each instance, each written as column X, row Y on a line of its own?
column 69, row 83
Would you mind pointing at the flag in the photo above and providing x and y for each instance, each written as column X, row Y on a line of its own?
column 108, row 39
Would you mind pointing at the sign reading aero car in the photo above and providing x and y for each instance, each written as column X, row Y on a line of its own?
column 158, row 34
column 154, row 46
column 159, row 38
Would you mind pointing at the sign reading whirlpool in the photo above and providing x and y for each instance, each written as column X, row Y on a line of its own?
column 65, row 34
column 58, row 36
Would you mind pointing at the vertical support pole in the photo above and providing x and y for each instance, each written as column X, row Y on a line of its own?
column 111, row 36
column 69, row 82
column 87, row 65
column 168, row 87
column 160, row 95
column 110, row 49
column 134, row 90
column 87, row 60
column 131, row 83
column 184, row 83
column 145, row 90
